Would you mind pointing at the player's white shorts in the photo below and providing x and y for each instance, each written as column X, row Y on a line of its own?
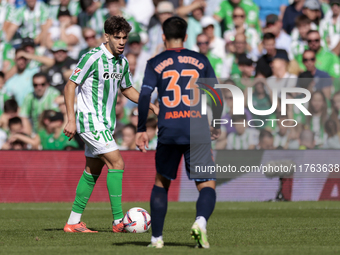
column 98, row 142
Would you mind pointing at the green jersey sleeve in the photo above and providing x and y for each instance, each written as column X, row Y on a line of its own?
column 84, row 68
column 127, row 77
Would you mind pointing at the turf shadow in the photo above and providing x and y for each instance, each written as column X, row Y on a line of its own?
column 53, row 229
column 144, row 244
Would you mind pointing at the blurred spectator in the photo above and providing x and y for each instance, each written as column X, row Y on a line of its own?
column 247, row 69
column 129, row 137
column 155, row 45
column 263, row 64
column 42, row 98
column 92, row 16
column 267, row 7
column 330, row 28
column 266, row 140
column 91, row 41
column 135, row 47
column 3, row 95
column 21, row 83
column 71, row 5
column 312, row 9
column 282, row 39
column 11, row 111
column 6, row 9
column 325, row 60
column 333, row 140
column 7, row 53
column 67, row 32
column 17, row 136
column 114, row 8
column 216, row 44
column 239, row 46
column 299, row 34
column 316, row 122
column 307, row 140
column 285, row 137
column 244, row 138
column 141, row 10
column 32, row 20
column 323, row 81
column 225, row 11
column 291, row 13
column 336, row 109
column 151, row 131
column 134, row 117
column 51, row 134
column 122, row 113
column 240, row 27
column 281, row 78
column 215, row 61
column 59, row 73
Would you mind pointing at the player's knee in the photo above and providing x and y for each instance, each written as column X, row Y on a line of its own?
column 205, row 184
column 119, row 164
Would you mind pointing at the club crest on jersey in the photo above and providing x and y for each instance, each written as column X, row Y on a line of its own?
column 116, row 76
column 77, row 71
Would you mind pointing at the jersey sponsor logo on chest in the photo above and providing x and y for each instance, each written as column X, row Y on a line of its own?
column 116, row 76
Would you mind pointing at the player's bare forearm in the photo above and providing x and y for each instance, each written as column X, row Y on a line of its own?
column 69, row 92
column 132, row 94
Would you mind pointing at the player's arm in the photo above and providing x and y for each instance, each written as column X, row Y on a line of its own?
column 149, row 84
column 69, row 92
column 132, row 94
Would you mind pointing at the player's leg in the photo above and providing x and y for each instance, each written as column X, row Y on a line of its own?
column 115, row 164
column 201, row 155
column 83, row 192
column 168, row 158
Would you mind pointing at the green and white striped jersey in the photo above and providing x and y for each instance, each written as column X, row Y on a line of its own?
column 30, row 21
column 99, row 75
column 33, row 106
column 6, row 11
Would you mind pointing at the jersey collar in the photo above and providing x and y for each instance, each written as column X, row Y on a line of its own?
column 107, row 53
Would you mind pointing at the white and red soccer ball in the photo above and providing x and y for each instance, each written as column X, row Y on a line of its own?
column 137, row 220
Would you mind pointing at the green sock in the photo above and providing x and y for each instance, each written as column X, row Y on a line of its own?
column 84, row 191
column 114, row 187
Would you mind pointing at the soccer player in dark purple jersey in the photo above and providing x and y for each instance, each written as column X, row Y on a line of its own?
column 175, row 73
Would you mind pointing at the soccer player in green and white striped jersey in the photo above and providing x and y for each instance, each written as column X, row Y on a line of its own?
column 33, row 20
column 99, row 75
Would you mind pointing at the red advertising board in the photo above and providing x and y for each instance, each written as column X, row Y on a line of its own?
column 52, row 176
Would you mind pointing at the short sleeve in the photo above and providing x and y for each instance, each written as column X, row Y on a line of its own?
column 16, row 17
column 83, row 69
column 127, row 77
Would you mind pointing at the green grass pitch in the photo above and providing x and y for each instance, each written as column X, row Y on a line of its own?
column 234, row 228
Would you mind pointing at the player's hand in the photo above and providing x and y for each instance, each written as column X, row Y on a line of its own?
column 214, row 133
column 142, row 141
column 70, row 129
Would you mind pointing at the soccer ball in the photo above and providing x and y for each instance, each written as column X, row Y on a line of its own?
column 137, row 220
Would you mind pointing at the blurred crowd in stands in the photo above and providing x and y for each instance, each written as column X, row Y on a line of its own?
column 250, row 43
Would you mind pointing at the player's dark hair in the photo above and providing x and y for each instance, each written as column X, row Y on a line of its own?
column 175, row 28
column 131, row 126
column 115, row 25
column 38, row 75
column 268, row 36
column 13, row 121
column 2, row 75
column 10, row 106
column 265, row 133
column 151, row 123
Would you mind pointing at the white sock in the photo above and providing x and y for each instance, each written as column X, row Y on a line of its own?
column 155, row 239
column 74, row 218
column 116, row 222
column 202, row 222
